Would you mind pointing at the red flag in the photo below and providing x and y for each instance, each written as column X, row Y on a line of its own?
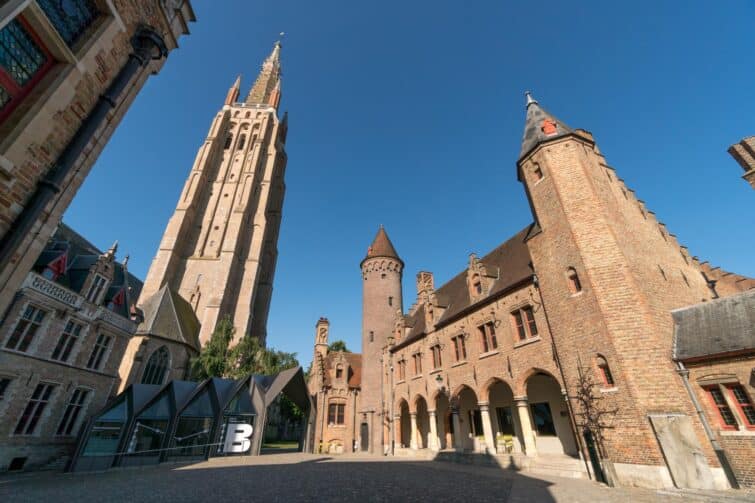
column 58, row 266
column 119, row 298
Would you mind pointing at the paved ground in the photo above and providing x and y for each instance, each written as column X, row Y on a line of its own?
column 307, row 477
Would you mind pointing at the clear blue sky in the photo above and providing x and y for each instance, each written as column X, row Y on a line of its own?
column 410, row 114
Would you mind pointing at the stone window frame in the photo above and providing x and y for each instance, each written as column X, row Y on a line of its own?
column 42, row 411
column 102, row 360
column 401, row 367
column 459, row 343
column 77, row 338
column 97, row 290
column 488, row 338
column 337, row 403
column 79, row 416
column 526, row 324
column 437, row 352
column 417, row 361
column 44, row 324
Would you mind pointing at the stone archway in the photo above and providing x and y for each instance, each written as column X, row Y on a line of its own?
column 423, row 423
column 468, row 431
column 551, row 424
column 504, row 419
column 405, row 426
column 443, row 421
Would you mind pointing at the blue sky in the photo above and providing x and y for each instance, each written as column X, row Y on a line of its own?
column 410, row 115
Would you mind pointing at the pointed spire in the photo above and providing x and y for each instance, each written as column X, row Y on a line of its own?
column 233, row 92
column 540, row 126
column 268, row 80
column 381, row 246
column 113, row 249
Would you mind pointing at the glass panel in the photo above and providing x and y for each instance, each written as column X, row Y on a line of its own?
column 505, row 420
column 20, row 56
column 200, row 406
column 192, row 436
column 148, row 437
column 241, row 403
column 158, row 410
column 541, row 414
column 70, row 18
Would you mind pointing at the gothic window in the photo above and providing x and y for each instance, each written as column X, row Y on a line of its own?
column 71, row 18
column 26, row 329
column 73, row 409
column 605, row 371
column 34, row 409
column 417, row 359
column 228, row 141
column 524, row 323
column 575, row 285
column 336, row 413
column 460, row 348
column 157, row 367
column 98, row 352
column 437, row 361
column 24, row 60
column 487, row 337
column 242, row 141
column 66, row 342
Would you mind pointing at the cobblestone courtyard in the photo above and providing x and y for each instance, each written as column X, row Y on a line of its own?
column 306, row 477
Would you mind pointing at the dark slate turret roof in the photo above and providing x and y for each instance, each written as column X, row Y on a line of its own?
column 381, row 246
column 540, row 126
column 168, row 315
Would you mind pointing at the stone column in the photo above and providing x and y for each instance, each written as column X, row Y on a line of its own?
column 458, row 439
column 487, row 428
column 413, row 440
column 433, row 442
column 397, row 430
column 528, row 436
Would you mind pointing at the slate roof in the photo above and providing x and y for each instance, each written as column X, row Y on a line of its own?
column 536, row 129
column 381, row 246
column 354, row 361
column 82, row 255
column 716, row 327
column 511, row 260
column 168, row 315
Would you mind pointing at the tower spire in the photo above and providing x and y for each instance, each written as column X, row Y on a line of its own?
column 233, row 92
column 266, row 89
column 540, row 126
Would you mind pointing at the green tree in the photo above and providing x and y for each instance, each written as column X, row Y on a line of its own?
column 250, row 357
column 338, row 346
column 213, row 359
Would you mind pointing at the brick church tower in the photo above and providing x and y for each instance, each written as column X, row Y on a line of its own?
column 219, row 248
column 381, row 300
column 609, row 274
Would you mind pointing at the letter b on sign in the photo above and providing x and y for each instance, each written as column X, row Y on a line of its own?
column 237, row 437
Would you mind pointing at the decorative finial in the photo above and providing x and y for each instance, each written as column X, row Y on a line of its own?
column 125, row 260
column 113, row 249
column 530, row 99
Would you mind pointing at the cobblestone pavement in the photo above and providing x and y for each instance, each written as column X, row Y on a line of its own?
column 307, row 477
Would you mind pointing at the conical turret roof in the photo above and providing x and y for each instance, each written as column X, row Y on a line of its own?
column 540, row 126
column 381, row 246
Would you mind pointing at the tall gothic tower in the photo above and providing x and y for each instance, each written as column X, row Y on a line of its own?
column 381, row 300
column 219, row 248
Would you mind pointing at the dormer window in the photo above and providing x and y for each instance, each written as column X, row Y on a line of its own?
column 339, row 372
column 96, row 288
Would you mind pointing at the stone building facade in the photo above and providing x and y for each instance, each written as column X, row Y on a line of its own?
column 75, row 69
column 61, row 342
column 744, row 153
column 219, row 249
column 569, row 316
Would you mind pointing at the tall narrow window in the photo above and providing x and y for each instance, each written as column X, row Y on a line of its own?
column 487, row 337
column 242, row 142
column 390, row 301
column 24, row 60
column 71, row 415
column 157, row 366
column 33, row 411
column 339, row 372
column 98, row 352
column 417, row 358
column 401, row 370
column 575, row 285
column 66, row 342
column 744, row 404
column 476, row 285
column 228, row 141
column 437, row 361
column 605, row 372
column 336, row 413
column 71, row 18
column 460, row 348
column 4, row 382
column 26, row 329
column 538, row 171
column 95, row 289
column 524, row 322
column 725, row 415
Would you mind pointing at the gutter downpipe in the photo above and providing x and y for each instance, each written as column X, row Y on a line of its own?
column 720, row 452
column 147, row 45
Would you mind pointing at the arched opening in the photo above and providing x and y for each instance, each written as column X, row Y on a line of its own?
column 405, row 425
column 423, row 423
column 242, row 142
column 444, row 421
column 503, row 418
column 470, row 434
column 157, row 366
column 604, row 372
column 575, row 286
column 550, row 416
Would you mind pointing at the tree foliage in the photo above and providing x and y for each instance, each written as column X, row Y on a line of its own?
column 213, row 359
column 338, row 345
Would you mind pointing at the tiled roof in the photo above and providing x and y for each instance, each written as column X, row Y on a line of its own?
column 354, row 360
column 381, row 246
column 168, row 315
column 540, row 126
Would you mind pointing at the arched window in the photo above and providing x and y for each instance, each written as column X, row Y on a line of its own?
column 605, row 371
column 574, row 284
column 228, row 141
column 242, row 141
column 157, row 367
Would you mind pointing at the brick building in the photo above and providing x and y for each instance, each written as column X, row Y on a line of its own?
column 744, row 153
column 61, row 343
column 69, row 73
column 513, row 356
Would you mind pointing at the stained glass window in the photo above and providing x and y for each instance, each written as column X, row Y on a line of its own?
column 20, row 56
column 71, row 18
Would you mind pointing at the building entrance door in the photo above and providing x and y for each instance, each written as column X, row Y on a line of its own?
column 364, row 435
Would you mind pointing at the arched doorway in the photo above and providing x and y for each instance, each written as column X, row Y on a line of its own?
column 444, row 422
column 550, row 416
column 504, row 420
column 470, row 435
column 423, row 423
column 405, row 425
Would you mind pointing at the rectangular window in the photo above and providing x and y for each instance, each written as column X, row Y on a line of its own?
column 24, row 60
column 460, row 348
column 742, row 399
column 71, row 415
column 725, row 415
column 70, row 18
column 543, row 419
column 26, row 328
column 487, row 337
column 66, row 342
column 98, row 284
column 524, row 323
column 417, row 357
column 401, row 370
column 98, row 352
column 437, row 362
column 336, row 413
column 33, row 411
column 4, row 382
